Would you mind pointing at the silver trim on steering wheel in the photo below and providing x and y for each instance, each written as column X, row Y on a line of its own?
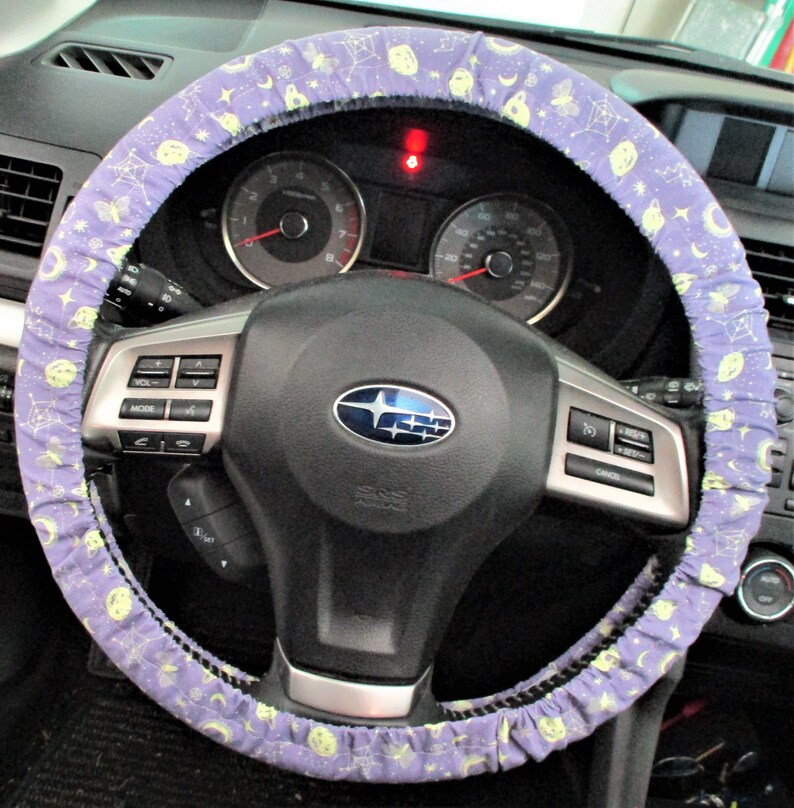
column 343, row 697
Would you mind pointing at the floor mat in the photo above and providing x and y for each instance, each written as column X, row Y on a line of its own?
column 118, row 750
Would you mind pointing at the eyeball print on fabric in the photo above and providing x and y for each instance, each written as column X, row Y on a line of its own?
column 611, row 143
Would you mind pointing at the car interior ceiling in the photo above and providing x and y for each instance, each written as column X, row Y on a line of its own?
column 76, row 731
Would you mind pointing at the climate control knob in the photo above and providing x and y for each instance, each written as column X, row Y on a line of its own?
column 766, row 588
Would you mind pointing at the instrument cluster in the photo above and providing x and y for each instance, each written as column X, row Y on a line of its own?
column 465, row 199
column 297, row 216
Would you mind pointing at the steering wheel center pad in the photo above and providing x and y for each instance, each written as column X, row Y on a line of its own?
column 447, row 503
column 369, row 67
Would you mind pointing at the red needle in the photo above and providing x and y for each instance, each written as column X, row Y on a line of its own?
column 468, row 275
column 257, row 238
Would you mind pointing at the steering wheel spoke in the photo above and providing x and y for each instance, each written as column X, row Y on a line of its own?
column 615, row 452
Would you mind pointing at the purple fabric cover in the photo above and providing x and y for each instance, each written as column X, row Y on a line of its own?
column 612, row 143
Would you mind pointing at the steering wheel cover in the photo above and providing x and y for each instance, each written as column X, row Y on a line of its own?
column 621, row 152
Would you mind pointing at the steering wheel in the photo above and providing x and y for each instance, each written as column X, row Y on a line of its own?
column 380, row 479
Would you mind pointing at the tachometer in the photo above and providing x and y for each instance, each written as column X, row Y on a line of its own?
column 292, row 216
column 509, row 249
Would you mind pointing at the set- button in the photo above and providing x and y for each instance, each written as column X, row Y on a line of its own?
column 597, row 432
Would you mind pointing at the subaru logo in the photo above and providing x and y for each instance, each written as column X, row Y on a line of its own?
column 397, row 416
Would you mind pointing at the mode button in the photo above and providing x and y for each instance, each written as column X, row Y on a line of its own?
column 152, row 409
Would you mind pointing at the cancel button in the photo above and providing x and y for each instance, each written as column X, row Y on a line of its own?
column 607, row 474
column 152, row 409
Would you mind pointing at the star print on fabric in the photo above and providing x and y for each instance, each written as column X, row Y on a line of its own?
column 80, row 225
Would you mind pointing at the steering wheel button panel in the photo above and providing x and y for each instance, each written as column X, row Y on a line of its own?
column 191, row 338
column 150, row 409
column 608, row 474
column 589, row 430
column 645, row 475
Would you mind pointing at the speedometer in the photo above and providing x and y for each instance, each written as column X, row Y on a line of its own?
column 292, row 216
column 507, row 248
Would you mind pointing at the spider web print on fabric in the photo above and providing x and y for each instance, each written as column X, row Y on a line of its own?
column 603, row 118
column 361, row 48
column 132, row 171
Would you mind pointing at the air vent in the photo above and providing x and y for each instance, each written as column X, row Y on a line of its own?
column 773, row 267
column 27, row 197
column 110, row 62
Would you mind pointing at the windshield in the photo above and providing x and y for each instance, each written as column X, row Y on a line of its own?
column 758, row 32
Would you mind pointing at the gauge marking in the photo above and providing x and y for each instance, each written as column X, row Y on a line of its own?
column 292, row 216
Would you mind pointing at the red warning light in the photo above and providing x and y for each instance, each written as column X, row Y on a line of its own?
column 412, row 163
column 416, row 141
